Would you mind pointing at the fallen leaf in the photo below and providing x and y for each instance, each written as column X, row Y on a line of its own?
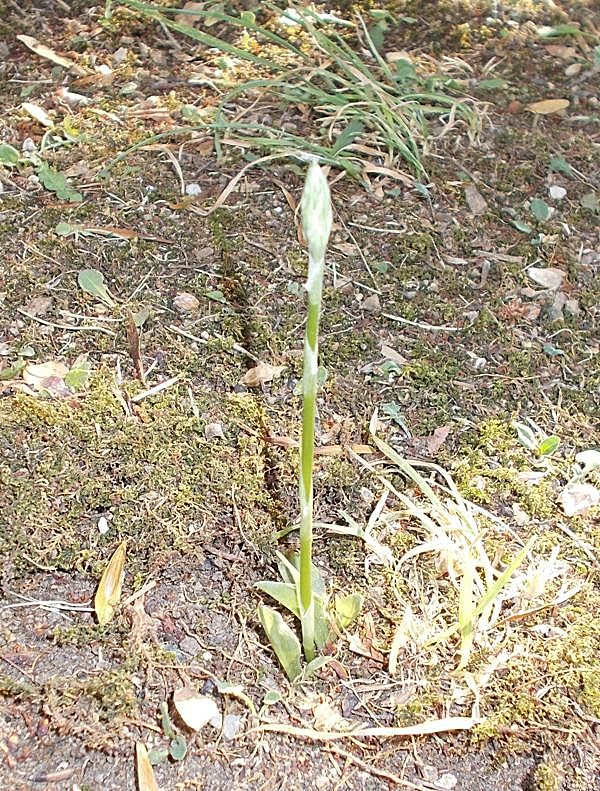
column 547, row 106
column 573, row 69
column 514, row 107
column 589, row 459
column 475, row 200
column 396, row 55
column 345, row 248
column 555, row 311
column 261, row 373
column 38, row 376
column 391, row 354
column 561, row 51
column 108, row 594
column 364, row 647
column 190, row 19
column 45, row 52
column 194, row 709
column 37, row 113
column 548, row 277
column 71, row 98
column 572, row 307
column 578, row 497
column 39, row 306
column 327, row 718
column 556, row 192
column 521, row 517
column 437, row 439
column 145, row 772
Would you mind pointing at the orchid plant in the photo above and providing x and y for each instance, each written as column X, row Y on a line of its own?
column 302, row 590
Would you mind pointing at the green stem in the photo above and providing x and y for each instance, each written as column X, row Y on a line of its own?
column 307, row 450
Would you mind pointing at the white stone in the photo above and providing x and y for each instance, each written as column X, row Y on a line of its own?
column 556, row 192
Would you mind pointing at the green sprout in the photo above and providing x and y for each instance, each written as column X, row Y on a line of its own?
column 534, row 438
column 302, row 591
column 316, row 224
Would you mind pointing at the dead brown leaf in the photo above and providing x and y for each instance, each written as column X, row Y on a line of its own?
column 108, row 594
column 44, row 376
column 561, row 51
column 49, row 54
column 578, row 497
column 437, row 439
column 393, row 355
column 548, row 106
column 475, row 200
column 134, row 347
column 261, row 373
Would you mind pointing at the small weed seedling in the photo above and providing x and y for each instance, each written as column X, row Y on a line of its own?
column 534, row 438
column 302, row 591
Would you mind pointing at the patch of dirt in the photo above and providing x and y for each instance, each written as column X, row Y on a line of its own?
column 431, row 316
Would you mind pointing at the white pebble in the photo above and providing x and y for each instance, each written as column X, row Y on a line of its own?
column 556, row 192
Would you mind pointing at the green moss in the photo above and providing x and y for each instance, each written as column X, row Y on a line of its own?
column 105, row 696
column 96, row 461
column 546, row 777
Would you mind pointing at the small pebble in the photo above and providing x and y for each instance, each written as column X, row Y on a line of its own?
column 556, row 192
column 231, row 726
column 186, row 302
column 371, row 304
column 447, row 781
column 213, row 431
column 573, row 70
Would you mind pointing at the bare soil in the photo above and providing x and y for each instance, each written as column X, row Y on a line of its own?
column 429, row 308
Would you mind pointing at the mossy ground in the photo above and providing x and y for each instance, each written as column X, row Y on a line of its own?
column 200, row 512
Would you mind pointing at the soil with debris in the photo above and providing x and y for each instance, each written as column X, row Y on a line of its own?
column 164, row 412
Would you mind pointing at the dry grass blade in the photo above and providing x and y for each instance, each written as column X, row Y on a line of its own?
column 145, row 772
column 455, row 537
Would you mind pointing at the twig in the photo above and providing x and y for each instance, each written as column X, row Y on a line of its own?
column 17, row 668
column 374, row 770
column 184, row 334
column 141, row 592
column 90, row 327
column 240, row 350
column 156, row 389
column 176, row 168
column 377, row 230
column 434, row 726
column 421, row 325
column 49, row 604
